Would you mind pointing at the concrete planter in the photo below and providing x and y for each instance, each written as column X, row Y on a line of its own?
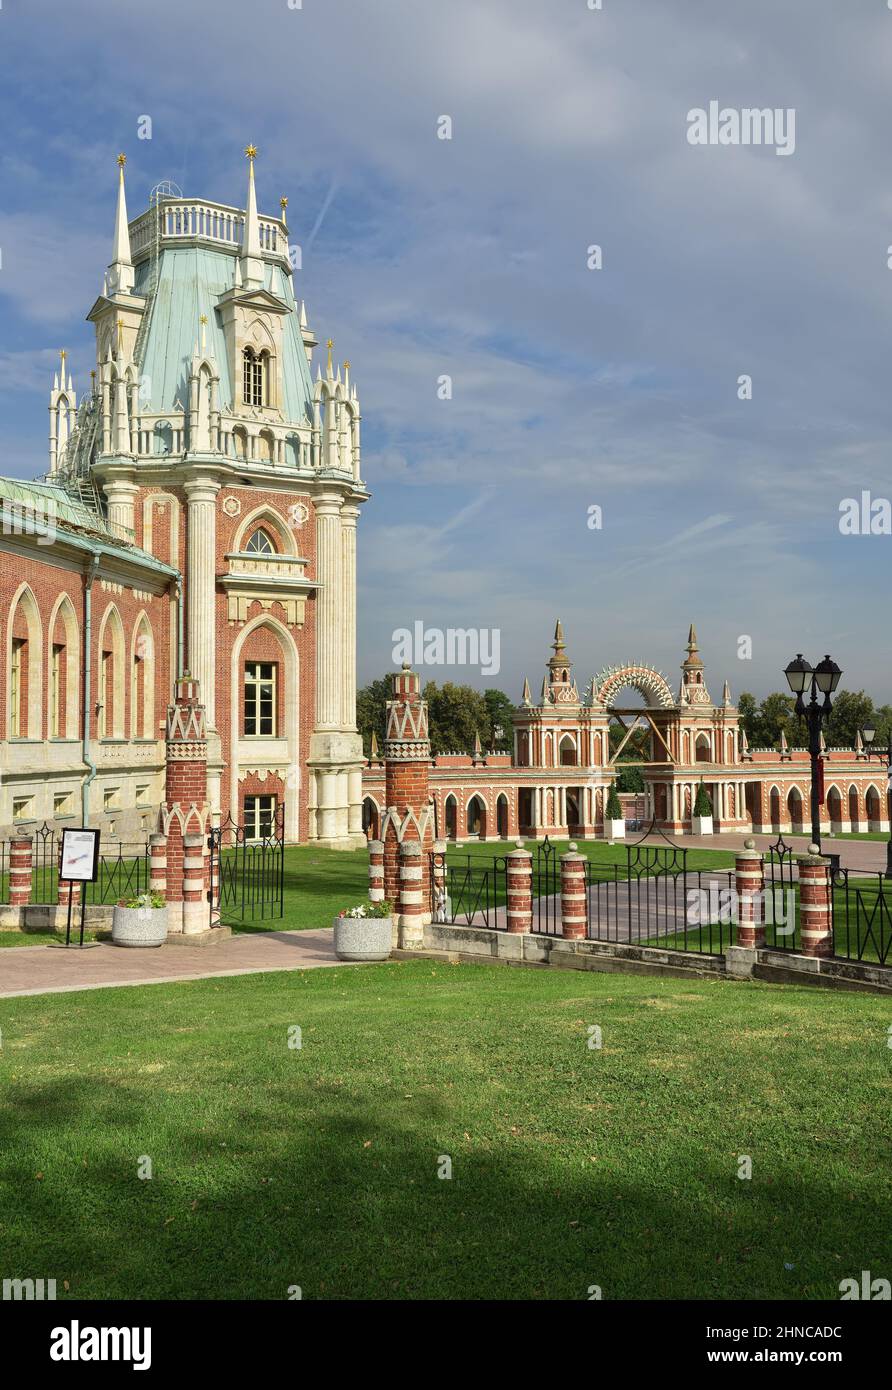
column 615, row 829
column 363, row 938
column 701, row 825
column 139, row 926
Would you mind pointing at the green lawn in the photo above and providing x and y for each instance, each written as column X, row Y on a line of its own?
column 570, row 1167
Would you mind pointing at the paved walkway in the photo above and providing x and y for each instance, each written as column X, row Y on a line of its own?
column 48, row 970
column 854, row 854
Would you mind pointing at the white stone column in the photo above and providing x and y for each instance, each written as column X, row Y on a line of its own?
column 201, row 567
column 349, row 513
column 120, row 493
column 329, row 610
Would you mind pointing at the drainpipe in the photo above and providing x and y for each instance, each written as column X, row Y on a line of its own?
column 178, row 582
column 92, row 567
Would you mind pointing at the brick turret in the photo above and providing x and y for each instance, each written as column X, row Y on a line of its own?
column 409, row 813
column 186, row 799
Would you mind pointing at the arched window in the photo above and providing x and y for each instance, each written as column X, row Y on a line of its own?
column 142, row 704
column 111, row 676
column 260, row 543
column 240, row 443
column 25, row 674
column 162, row 438
column 64, row 665
column 253, row 376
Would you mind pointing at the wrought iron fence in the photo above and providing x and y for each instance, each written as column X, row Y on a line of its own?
column 781, row 897
column 471, row 893
column 247, row 871
column 123, row 870
column 861, row 915
column 4, row 871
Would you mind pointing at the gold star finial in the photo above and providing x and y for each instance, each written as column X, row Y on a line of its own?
column 120, row 332
column 63, row 354
column 122, row 160
column 346, row 366
column 283, row 203
column 251, row 151
column 203, row 318
column 329, row 344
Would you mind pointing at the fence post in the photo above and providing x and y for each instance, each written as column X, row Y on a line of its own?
column 520, row 889
column 64, row 886
column 194, row 886
column 411, row 896
column 815, row 904
column 573, row 914
column 376, row 871
column 438, row 881
column 158, row 864
column 21, row 861
column 750, row 887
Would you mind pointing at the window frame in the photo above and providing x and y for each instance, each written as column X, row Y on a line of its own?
column 253, row 682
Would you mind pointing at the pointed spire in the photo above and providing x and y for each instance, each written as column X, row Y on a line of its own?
column 374, row 751
column 859, row 743
column 527, row 696
column 121, row 278
column 726, row 694
column 346, row 377
column 783, row 744
column 251, row 257
column 822, row 743
column 329, row 345
column 545, row 697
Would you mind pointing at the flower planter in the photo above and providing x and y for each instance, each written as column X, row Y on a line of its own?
column 701, row 825
column 139, row 926
column 363, row 938
column 615, row 829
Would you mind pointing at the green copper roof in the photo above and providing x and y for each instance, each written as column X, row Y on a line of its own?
column 32, row 508
column 191, row 280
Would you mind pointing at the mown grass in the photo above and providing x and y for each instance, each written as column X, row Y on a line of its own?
column 571, row 1166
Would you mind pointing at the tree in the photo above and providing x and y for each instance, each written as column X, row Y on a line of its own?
column 456, row 714
column 776, row 716
column 851, row 711
column 614, row 810
column 746, row 709
column 371, row 711
column 702, row 803
column 501, row 729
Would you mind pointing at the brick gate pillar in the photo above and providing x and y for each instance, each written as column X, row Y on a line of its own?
column 573, row 890
column 408, row 816
column 376, row 871
column 520, row 889
column 158, row 864
column 749, row 882
column 21, row 865
column 816, row 927
column 186, row 812
column 412, row 875
column 196, row 911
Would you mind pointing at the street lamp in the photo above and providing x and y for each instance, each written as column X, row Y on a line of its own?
column 821, row 679
column 868, row 734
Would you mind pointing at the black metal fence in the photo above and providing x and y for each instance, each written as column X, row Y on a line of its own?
column 781, row 897
column 4, row 871
column 247, row 871
column 124, row 870
column 861, row 916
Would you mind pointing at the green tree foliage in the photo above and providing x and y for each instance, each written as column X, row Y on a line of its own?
column 614, row 810
column 371, row 711
column 749, row 714
column 456, row 713
column 702, row 803
column 500, row 709
column 637, row 750
column 852, row 709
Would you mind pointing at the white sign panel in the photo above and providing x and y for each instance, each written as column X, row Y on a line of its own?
column 80, row 855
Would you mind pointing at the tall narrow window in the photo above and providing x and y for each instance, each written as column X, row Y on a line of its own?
column 259, row 817
column 57, row 713
column 252, row 378
column 260, row 699
column 16, row 701
column 106, row 695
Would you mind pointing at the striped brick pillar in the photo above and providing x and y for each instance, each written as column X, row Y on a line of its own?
column 158, row 864
column 573, row 914
column 195, row 904
column 21, row 858
column 376, row 871
column 815, row 922
column 438, row 881
column 749, row 882
column 186, row 793
column 411, row 896
column 62, row 891
column 408, row 811
column 520, row 889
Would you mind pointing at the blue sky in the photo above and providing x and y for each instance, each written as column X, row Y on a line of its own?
column 571, row 387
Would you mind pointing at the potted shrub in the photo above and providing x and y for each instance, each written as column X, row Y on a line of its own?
column 614, row 821
column 701, row 820
column 140, row 921
column 364, row 932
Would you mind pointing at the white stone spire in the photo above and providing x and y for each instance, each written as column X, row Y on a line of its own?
column 121, row 276
column 251, row 258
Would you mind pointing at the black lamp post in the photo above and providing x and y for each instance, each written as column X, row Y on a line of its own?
column 819, row 680
column 868, row 734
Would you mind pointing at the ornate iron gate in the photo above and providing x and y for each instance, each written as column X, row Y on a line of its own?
column 247, row 871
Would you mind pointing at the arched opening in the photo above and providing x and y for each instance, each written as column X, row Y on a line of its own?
column 64, row 672
column 142, row 682
column 567, row 751
column 502, row 816
column 260, row 542
column 252, row 377
column 753, row 794
column 266, row 447
column 796, row 809
column 873, row 807
column 451, row 812
column 523, row 749
column 854, row 808
column 574, row 820
column 371, row 819
column 476, row 818
column 240, row 442
column 702, row 749
column 24, row 703
column 162, row 438
column 834, row 808
column 774, row 804
column 111, row 675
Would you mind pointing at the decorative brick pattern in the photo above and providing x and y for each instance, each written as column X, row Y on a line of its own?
column 573, row 890
column 815, row 924
column 749, row 878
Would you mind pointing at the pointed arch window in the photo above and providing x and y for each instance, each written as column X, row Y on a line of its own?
column 253, row 377
column 260, row 543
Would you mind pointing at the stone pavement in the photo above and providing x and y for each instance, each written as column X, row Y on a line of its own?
column 868, row 855
column 48, row 970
